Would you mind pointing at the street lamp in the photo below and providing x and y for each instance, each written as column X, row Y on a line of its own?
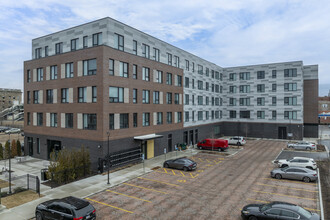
column 9, row 166
column 108, row 157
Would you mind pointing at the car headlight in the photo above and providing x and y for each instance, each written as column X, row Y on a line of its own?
column 245, row 212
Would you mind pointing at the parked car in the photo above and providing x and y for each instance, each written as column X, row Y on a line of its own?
column 237, row 140
column 295, row 173
column 213, row 144
column 181, row 163
column 65, row 208
column 302, row 145
column 277, row 210
column 3, row 129
column 297, row 162
column 13, row 131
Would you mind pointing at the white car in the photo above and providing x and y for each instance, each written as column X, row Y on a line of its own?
column 13, row 131
column 302, row 145
column 237, row 140
column 298, row 162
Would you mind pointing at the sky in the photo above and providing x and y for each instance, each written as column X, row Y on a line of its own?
column 225, row 32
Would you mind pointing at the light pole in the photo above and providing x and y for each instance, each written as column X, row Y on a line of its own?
column 9, row 166
column 108, row 157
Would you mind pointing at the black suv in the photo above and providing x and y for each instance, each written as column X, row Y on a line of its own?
column 66, row 208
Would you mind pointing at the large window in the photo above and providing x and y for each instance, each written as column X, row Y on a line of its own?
column 39, row 119
column 145, row 96
column 159, row 76
column 68, row 70
column 169, row 78
column 46, row 51
column 273, row 114
column 28, row 78
column 290, row 114
column 261, row 88
column 232, row 89
column 119, row 42
column 273, row 74
column 179, row 81
column 232, row 114
column 186, row 99
column 59, row 48
column 111, row 67
column 123, row 119
column 116, row 94
column 169, row 98
column 200, row 69
column 94, row 94
column 65, row 95
column 36, row 97
column 135, row 71
column 40, row 74
column 145, row 51
column 74, row 44
column 85, row 41
column 232, row 76
column 169, row 117
column 207, row 71
column 176, row 61
column 123, row 69
column 145, row 74
column 200, row 100
column 37, row 52
column 290, row 87
column 89, row 121
column 187, row 68
column 176, row 98
column 135, row 96
column 244, row 88
column 145, row 119
column 111, row 121
column 244, row 76
column 261, row 101
column 28, row 118
column 82, row 94
column 261, row 114
column 156, row 97
column 28, row 97
column 179, row 116
column 273, row 87
column 97, row 39
column 274, row 101
column 200, row 115
column 169, row 59
column 200, row 85
column 69, row 120
column 159, row 118
column 244, row 101
column 260, row 74
column 135, row 47
column 232, row 101
column 135, row 120
column 290, row 100
column 90, row 67
column 244, row 114
column 53, row 72
column 49, row 96
column 53, row 119
column 290, row 72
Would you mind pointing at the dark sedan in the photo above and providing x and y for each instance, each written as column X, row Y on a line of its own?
column 65, row 208
column 276, row 210
column 182, row 163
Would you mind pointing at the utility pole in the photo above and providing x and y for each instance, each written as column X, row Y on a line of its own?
column 9, row 166
column 108, row 157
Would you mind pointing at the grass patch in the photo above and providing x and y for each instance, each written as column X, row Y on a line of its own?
column 4, row 183
column 19, row 198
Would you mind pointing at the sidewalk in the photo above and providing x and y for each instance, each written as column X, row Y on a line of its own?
column 88, row 186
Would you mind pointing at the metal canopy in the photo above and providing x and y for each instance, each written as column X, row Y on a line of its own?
column 148, row 137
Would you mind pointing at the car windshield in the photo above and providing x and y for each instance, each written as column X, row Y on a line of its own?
column 285, row 168
column 289, row 159
column 304, row 212
column 265, row 207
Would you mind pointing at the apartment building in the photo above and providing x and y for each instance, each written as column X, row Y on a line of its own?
column 324, row 109
column 105, row 77
column 9, row 97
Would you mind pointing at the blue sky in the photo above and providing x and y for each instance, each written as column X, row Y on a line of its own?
column 225, row 32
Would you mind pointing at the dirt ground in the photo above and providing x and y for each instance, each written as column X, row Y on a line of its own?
column 324, row 167
column 19, row 199
column 219, row 188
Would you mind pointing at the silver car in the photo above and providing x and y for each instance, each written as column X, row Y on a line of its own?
column 302, row 145
column 294, row 173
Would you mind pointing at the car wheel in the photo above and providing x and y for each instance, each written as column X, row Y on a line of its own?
column 185, row 169
column 39, row 216
column 306, row 179
column 253, row 218
column 278, row 176
column 308, row 148
column 166, row 165
column 238, row 144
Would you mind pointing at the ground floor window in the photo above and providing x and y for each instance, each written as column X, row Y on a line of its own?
column 89, row 121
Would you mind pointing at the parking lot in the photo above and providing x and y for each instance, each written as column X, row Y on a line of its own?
column 218, row 189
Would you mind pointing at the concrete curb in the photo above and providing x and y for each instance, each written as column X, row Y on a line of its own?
column 320, row 194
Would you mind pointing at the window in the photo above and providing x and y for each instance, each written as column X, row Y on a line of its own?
column 28, row 78
column 38, row 145
column 232, row 89
column 49, row 96
column 200, row 85
column 145, row 74
column 290, row 114
column 193, row 83
column 200, row 115
column 217, row 90
column 111, row 67
column 123, row 69
column 36, row 97
column 156, row 97
column 273, row 100
column 145, row 119
column 37, row 52
column 123, row 120
column 290, row 100
column 232, row 101
column 186, row 116
column 90, row 67
column 179, row 115
column 206, row 86
column 273, row 114
column 53, row 72
column 200, row 69
column 290, row 72
column 260, row 74
column 273, row 74
column 179, row 81
column 290, row 87
column 135, row 119
column 145, row 51
column 119, row 42
column 169, row 98
column 176, row 61
column 65, row 95
column 116, row 94
column 217, row 76
column 46, row 51
column 244, row 101
column 186, row 82
column 28, row 97
column 289, row 214
column 39, row 119
column 212, row 101
column 85, row 41
column 193, row 115
column 169, row 78
column 217, row 101
column 207, row 71
column 187, row 66
column 134, row 96
column 159, row 76
column 244, row 114
column 232, row 114
column 68, row 70
column 217, row 114
column 74, row 44
column 212, row 74
column 97, row 39
column 261, row 101
column 59, row 48
column 212, row 87
column 200, row 100
column 207, row 100
column 135, row 47
column 186, row 99
column 159, row 118
column 261, row 114
column 193, row 67
column 244, row 76
column 94, row 94
column 176, row 98
column 169, row 59
column 232, row 77
column 261, row 88
column 69, row 120
column 134, row 71
column 82, row 94
column 273, row 87
column 156, row 54
column 89, row 121
column 146, row 96
column 28, row 118
column 53, row 119
column 244, row 88
column 40, row 74
column 169, row 117
column 111, row 121
column 207, row 116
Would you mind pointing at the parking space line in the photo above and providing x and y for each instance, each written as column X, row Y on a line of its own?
column 182, row 174
column 290, row 181
column 317, row 210
column 278, row 194
column 171, row 184
column 145, row 188
column 173, row 172
column 165, row 170
column 208, row 161
column 192, row 176
column 128, row 196
column 261, row 184
column 109, row 205
column 200, row 159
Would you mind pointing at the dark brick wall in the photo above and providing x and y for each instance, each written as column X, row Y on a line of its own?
column 311, row 130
